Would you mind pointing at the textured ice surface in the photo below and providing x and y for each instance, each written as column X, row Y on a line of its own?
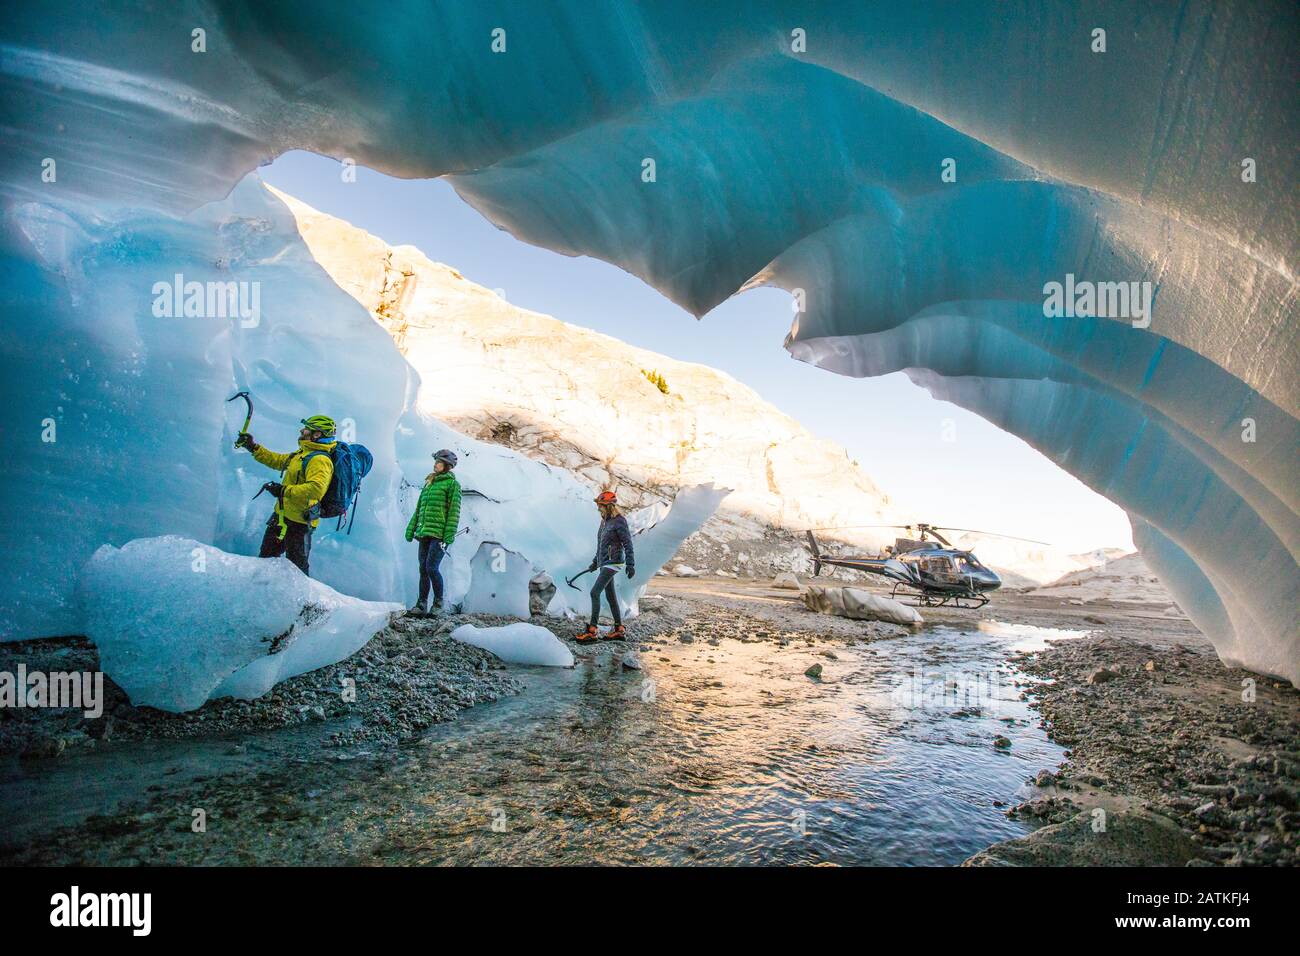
column 814, row 167
column 178, row 623
column 520, row 643
column 499, row 581
column 143, row 435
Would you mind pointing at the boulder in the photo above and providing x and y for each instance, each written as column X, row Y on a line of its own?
column 541, row 589
column 1120, row 838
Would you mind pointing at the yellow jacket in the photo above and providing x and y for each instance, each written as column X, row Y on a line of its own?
column 301, row 491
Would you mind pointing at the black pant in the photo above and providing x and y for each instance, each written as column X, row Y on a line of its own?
column 431, row 552
column 295, row 545
column 605, row 582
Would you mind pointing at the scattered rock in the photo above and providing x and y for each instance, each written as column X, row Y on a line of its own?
column 1101, row 675
column 815, row 672
column 541, row 589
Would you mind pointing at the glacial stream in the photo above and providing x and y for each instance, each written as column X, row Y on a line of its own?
column 713, row 754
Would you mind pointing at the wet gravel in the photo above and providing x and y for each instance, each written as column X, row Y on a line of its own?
column 1171, row 731
column 409, row 676
column 1156, row 726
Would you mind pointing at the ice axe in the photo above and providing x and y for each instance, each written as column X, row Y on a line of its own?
column 248, row 419
column 569, row 581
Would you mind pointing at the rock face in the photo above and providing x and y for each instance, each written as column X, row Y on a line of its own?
column 544, row 387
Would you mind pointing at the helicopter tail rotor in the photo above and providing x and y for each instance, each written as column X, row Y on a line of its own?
column 816, row 554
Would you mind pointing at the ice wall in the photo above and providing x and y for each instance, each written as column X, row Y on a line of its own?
column 126, row 433
column 801, row 144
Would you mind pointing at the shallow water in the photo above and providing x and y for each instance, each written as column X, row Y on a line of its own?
column 722, row 754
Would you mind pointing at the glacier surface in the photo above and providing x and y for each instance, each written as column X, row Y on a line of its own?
column 801, row 145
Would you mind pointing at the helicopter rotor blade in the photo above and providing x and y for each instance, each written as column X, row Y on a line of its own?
column 995, row 534
column 851, row 527
column 932, row 528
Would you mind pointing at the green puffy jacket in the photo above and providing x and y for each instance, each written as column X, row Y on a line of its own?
column 437, row 513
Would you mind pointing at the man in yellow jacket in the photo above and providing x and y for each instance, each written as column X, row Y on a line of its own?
column 306, row 476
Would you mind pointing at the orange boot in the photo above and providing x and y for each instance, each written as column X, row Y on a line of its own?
column 590, row 636
column 618, row 634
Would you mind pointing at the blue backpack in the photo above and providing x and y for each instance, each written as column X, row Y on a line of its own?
column 351, row 464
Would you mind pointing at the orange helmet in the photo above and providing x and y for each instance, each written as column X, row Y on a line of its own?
column 607, row 498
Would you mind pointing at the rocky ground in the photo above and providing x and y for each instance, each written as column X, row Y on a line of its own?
column 1162, row 735
column 409, row 676
column 1173, row 759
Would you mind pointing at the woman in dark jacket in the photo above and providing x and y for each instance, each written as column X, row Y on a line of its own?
column 613, row 553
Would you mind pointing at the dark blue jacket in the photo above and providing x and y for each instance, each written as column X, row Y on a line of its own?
column 614, row 543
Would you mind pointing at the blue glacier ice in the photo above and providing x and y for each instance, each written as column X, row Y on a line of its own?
column 134, row 462
column 518, row 643
column 795, row 144
column 178, row 623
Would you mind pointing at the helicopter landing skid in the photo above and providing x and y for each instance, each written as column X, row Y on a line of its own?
column 966, row 602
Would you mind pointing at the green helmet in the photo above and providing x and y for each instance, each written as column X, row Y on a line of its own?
column 320, row 423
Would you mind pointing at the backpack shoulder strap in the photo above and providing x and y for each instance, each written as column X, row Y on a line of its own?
column 312, row 454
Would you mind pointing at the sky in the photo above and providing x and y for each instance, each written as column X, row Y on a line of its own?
column 936, row 461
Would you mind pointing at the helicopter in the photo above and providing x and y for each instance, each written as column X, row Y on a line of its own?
column 936, row 573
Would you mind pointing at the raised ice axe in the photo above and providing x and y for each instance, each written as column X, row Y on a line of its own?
column 248, row 419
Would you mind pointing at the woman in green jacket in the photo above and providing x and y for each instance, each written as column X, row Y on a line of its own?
column 436, row 518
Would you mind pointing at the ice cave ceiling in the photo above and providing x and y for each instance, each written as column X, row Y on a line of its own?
column 916, row 174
